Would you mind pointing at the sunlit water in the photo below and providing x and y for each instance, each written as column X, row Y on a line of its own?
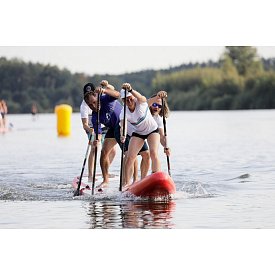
column 223, row 164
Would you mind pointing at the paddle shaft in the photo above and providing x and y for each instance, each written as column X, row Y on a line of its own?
column 96, row 137
column 123, row 144
column 165, row 134
column 83, row 167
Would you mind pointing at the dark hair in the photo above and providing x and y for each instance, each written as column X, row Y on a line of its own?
column 87, row 96
column 89, row 87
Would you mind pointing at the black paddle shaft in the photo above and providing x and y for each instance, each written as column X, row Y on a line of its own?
column 165, row 134
column 96, row 137
column 76, row 193
column 123, row 144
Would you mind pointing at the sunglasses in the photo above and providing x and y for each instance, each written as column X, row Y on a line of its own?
column 155, row 105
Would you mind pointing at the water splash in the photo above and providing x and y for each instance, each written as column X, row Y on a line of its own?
column 193, row 189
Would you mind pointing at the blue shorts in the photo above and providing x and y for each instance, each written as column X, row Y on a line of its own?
column 93, row 138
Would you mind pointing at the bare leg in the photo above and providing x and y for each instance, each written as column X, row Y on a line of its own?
column 112, row 154
column 108, row 145
column 135, row 174
column 145, row 163
column 134, row 170
column 134, row 147
column 111, row 158
column 153, row 142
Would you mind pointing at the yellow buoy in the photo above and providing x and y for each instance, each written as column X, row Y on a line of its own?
column 63, row 113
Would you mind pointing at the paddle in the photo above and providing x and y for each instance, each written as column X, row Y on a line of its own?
column 123, row 144
column 165, row 133
column 96, row 137
column 76, row 193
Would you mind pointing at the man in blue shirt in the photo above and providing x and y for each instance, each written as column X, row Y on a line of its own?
column 109, row 111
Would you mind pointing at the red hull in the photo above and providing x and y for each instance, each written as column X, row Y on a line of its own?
column 158, row 184
column 155, row 185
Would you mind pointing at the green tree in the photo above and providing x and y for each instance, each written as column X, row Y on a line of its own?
column 245, row 59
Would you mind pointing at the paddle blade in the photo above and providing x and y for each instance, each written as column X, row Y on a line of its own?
column 76, row 193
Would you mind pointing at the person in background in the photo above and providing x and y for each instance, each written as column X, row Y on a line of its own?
column 158, row 111
column 1, row 117
column 34, row 110
column 144, row 128
column 109, row 111
column 86, row 118
column 4, row 112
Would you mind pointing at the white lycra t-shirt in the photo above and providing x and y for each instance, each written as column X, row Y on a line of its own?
column 141, row 119
column 86, row 112
column 158, row 120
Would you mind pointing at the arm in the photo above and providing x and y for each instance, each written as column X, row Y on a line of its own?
column 162, row 137
column 96, row 143
column 85, row 113
column 111, row 92
column 86, row 126
column 136, row 94
column 109, row 89
column 123, row 136
column 163, row 142
column 160, row 94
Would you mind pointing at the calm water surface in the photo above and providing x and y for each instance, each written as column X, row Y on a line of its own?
column 223, row 164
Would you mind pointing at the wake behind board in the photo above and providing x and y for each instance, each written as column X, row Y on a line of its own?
column 155, row 185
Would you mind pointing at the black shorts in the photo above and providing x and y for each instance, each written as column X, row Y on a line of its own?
column 145, row 136
column 110, row 133
column 126, row 144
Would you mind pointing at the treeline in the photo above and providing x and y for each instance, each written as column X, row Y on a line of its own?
column 240, row 80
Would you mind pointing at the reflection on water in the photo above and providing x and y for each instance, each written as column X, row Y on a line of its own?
column 131, row 214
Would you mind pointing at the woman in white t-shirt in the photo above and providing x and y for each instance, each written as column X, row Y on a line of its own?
column 158, row 110
column 144, row 128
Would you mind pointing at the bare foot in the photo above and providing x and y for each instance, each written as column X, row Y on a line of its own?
column 102, row 185
column 125, row 187
column 90, row 179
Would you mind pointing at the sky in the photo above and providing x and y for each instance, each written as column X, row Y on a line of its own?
column 118, row 59
column 114, row 37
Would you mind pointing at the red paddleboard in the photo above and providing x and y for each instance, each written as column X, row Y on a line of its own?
column 155, row 185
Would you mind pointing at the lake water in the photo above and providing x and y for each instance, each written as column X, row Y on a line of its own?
column 223, row 164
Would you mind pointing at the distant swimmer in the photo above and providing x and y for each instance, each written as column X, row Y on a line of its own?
column 3, row 116
column 34, row 109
